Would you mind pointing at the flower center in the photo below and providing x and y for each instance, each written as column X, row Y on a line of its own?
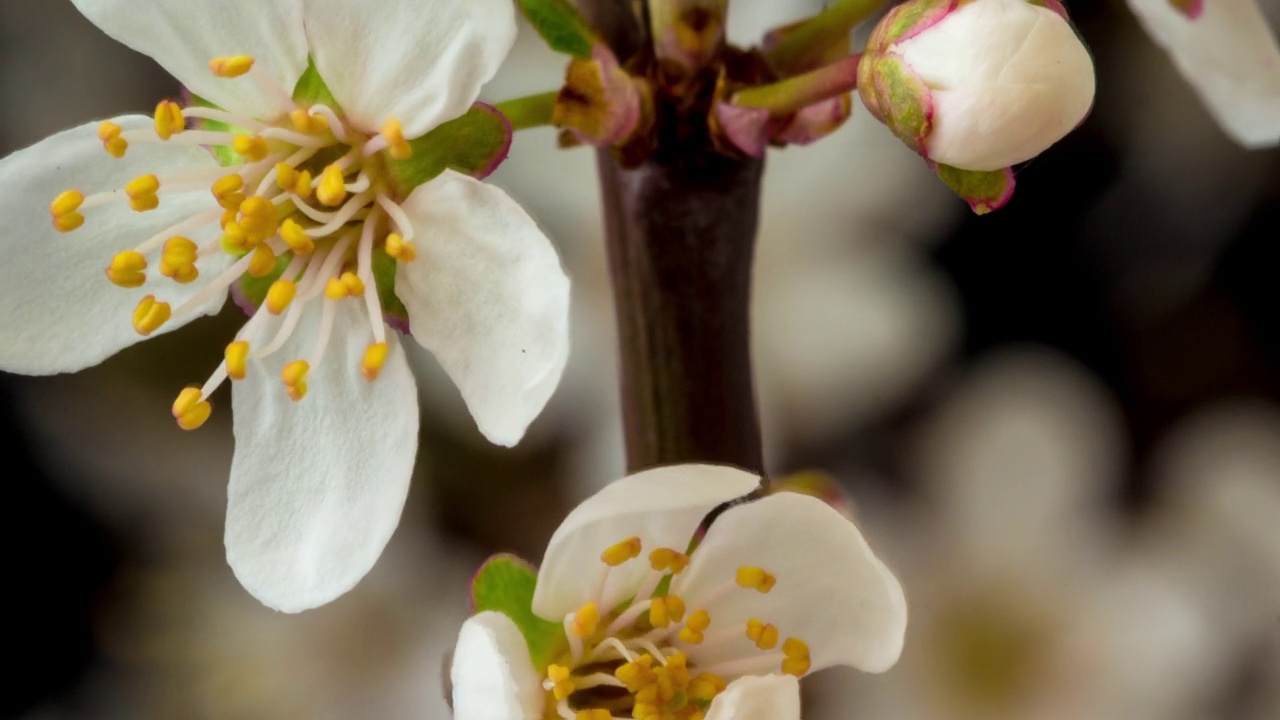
column 638, row 659
column 302, row 203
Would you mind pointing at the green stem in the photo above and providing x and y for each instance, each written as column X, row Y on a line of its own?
column 530, row 111
column 794, row 93
column 801, row 46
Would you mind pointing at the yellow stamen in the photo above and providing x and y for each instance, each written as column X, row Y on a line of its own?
column 562, row 683
column 169, row 120
column 397, row 146
column 190, row 409
column 109, row 134
column 305, row 122
column 149, row 315
column 64, row 210
column 694, row 627
column 615, row 555
column 668, row 560
column 756, row 579
column 280, row 294
column 765, row 636
column 596, row 714
column 375, row 356
column 332, row 190
column 302, row 186
column 335, row 289
column 237, row 357
column 227, row 191
column 235, row 241
column 295, row 379
column 252, row 147
column 296, row 238
column 353, row 283
column 142, row 192
column 126, row 269
column 231, row 67
column 400, row 249
column 178, row 259
column 263, row 262
column 585, row 621
column 797, row 660
column 706, row 686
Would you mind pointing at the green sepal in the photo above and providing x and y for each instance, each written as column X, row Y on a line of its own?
column 561, row 26
column 903, row 100
column 473, row 144
column 222, row 153
column 984, row 191
column 505, row 584
column 384, row 277
column 312, row 90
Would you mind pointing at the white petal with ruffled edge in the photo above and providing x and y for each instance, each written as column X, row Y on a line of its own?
column 61, row 313
column 1230, row 56
column 662, row 506
column 493, row 675
column 183, row 36
column 765, row 697
column 317, row 486
column 832, row 591
column 421, row 62
column 488, row 297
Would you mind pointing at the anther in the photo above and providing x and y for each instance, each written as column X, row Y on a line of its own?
column 694, row 627
column 332, row 190
column 65, row 211
column 375, row 356
column 235, row 241
column 294, row 376
column 292, row 180
column 280, row 295
column 668, row 560
column 191, row 410
column 227, row 191
column 400, row 249
column 231, row 67
column 353, row 283
column 615, row 555
column 756, row 579
column 297, row 240
column 126, row 269
column 585, row 621
column 765, row 636
column 178, row 259
column 169, row 120
column 149, row 315
column 263, row 262
column 142, row 192
column 252, row 147
column 561, row 683
column 797, row 660
column 109, row 134
column 665, row 610
column 237, row 357
column 335, row 289
column 706, row 686
column 397, row 146
column 594, row 714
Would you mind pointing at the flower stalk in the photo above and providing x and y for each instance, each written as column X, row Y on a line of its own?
column 805, row 45
column 530, row 111
column 794, row 93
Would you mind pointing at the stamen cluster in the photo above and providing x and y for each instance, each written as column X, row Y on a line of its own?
column 636, row 660
column 301, row 198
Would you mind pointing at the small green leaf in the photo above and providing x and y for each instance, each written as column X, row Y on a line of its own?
column 312, row 90
column 505, row 584
column 560, row 24
column 474, row 144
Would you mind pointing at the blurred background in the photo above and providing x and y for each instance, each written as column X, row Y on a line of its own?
column 1059, row 424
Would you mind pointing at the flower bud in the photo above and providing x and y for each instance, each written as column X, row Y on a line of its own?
column 977, row 84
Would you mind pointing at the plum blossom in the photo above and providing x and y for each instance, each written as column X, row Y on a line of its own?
column 302, row 179
column 643, row 626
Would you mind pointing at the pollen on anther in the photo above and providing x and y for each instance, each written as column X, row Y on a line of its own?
column 169, row 120
column 280, row 294
column 231, row 67
column 332, row 190
column 142, row 192
column 294, row 236
column 126, row 269
column 615, row 555
column 227, row 191
column 294, row 376
column 237, row 357
column 585, row 621
column 400, row 249
column 191, row 410
column 756, row 579
column 375, row 356
column 263, row 262
column 149, row 315
column 109, row 134
column 252, row 147
column 397, row 147
column 65, row 211
column 668, row 560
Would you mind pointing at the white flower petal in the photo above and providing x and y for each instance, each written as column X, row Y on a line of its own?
column 493, row 675
column 1230, row 56
column 421, row 62
column 662, row 507
column 183, row 36
column 765, row 697
column 488, row 297
column 832, row 591
column 317, row 486
column 61, row 313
